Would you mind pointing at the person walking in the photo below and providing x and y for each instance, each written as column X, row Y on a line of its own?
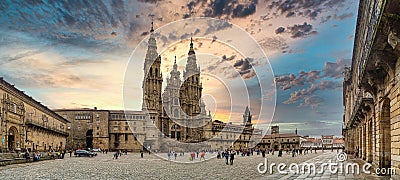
column 175, row 155
column 226, row 157
column 232, row 157
column 141, row 154
column 202, row 154
column 169, row 155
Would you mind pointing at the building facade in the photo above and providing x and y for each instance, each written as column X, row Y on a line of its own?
column 176, row 113
column 327, row 141
column 277, row 141
column 371, row 86
column 28, row 124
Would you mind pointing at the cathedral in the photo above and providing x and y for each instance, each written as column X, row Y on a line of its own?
column 178, row 112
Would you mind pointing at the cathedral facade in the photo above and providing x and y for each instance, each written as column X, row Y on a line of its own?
column 178, row 112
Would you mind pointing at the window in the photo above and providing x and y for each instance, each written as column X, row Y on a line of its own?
column 97, row 127
column 176, row 101
column 126, row 128
column 144, row 129
column 115, row 128
column 126, row 137
column 176, row 113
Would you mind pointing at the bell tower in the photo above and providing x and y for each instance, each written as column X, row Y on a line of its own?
column 152, row 82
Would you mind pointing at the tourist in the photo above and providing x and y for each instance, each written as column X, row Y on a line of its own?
column 169, row 155
column 70, row 153
column 280, row 153
column 226, row 154
column 263, row 153
column 197, row 153
column 141, row 153
column 175, row 155
column 202, row 154
column 192, row 155
column 232, row 156
column 115, row 155
column 293, row 152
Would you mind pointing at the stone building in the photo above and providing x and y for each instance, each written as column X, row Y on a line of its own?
column 28, row 124
column 277, row 141
column 371, row 85
column 178, row 113
column 327, row 141
column 105, row 129
column 88, row 128
column 310, row 142
column 223, row 135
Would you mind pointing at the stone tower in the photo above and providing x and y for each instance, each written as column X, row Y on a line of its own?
column 247, row 117
column 152, row 82
column 191, row 89
column 275, row 130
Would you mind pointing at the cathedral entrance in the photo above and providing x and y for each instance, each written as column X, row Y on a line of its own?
column 89, row 139
column 11, row 138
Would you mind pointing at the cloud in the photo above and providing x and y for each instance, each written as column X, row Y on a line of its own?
column 286, row 82
column 312, row 101
column 301, row 30
column 214, row 26
column 150, row 1
column 323, row 85
column 308, row 8
column 280, row 30
column 226, row 8
column 243, row 11
column 245, row 67
column 335, row 69
column 330, row 70
column 274, row 43
column 343, row 16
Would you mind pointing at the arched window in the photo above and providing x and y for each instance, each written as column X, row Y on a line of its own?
column 176, row 113
column 151, row 71
column 156, row 72
column 176, row 101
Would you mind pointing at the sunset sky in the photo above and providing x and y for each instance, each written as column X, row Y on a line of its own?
column 77, row 54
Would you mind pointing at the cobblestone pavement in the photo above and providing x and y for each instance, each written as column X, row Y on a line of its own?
column 131, row 166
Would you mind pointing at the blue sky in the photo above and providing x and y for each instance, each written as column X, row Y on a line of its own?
column 79, row 50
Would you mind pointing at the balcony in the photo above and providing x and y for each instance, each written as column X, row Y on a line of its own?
column 365, row 35
column 361, row 103
column 48, row 128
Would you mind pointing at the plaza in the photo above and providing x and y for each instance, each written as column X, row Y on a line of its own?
column 132, row 166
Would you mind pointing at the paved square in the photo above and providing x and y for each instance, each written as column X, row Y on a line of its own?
column 131, row 166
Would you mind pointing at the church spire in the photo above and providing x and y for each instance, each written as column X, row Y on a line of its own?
column 191, row 50
column 152, row 26
column 175, row 65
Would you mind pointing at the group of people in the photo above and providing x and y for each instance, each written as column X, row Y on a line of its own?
column 36, row 155
column 228, row 155
column 192, row 156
